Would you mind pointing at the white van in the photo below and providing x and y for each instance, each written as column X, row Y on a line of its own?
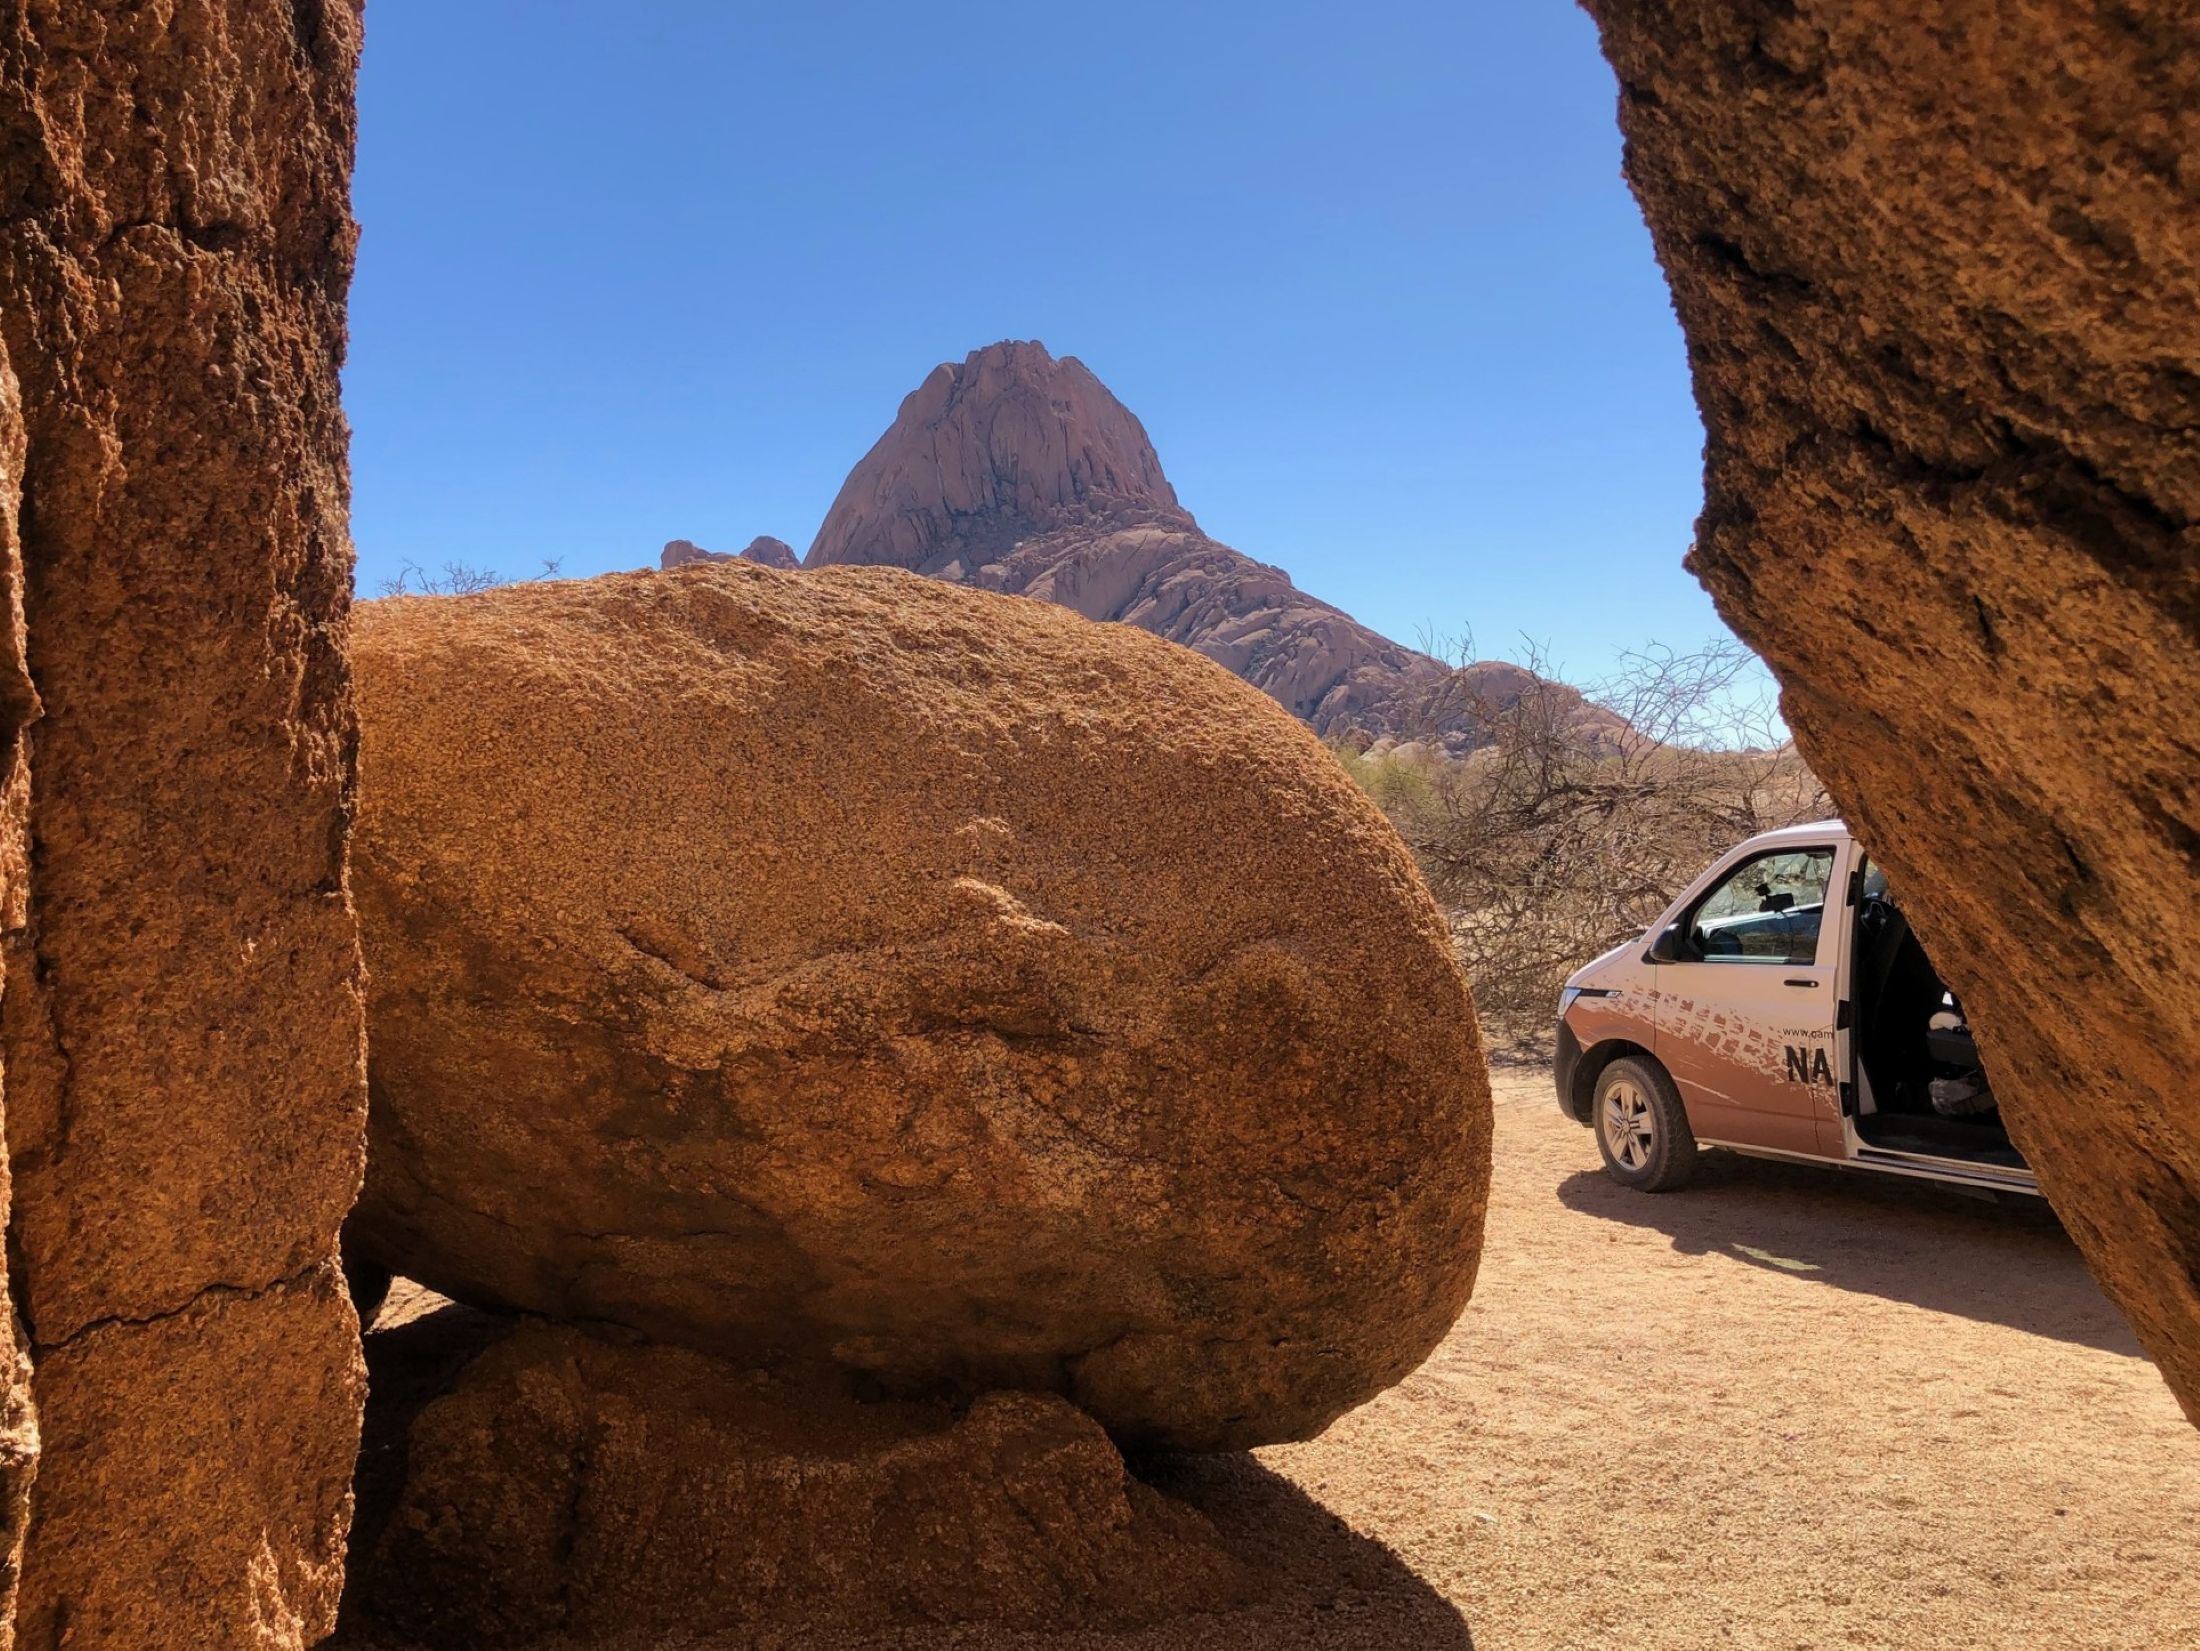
column 1781, row 1007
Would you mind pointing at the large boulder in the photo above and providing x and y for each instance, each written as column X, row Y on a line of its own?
column 571, row 1485
column 847, row 966
column 1939, row 265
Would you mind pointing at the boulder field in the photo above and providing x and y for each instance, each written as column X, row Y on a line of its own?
column 844, row 969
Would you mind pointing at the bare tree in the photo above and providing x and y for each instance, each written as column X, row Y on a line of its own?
column 456, row 579
column 1556, row 822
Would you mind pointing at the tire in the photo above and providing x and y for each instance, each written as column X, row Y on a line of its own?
column 1642, row 1128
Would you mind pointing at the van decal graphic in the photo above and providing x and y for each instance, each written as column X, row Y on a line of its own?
column 1709, row 1037
column 1807, row 1065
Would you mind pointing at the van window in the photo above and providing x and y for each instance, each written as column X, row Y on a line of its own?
column 1871, row 884
column 1767, row 910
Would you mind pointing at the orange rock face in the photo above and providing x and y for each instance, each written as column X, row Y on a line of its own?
column 1940, row 272
column 569, row 1485
column 197, row 1482
column 844, row 967
column 183, row 1014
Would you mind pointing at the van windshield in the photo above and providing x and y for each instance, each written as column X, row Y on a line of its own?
column 1767, row 910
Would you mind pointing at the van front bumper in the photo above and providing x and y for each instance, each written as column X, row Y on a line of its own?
column 1563, row 1067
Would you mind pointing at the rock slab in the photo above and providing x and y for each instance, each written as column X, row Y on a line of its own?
column 1939, row 267
column 574, row 1486
column 845, row 967
column 183, row 1014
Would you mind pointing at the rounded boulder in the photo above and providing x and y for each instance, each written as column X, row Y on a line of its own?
column 850, row 968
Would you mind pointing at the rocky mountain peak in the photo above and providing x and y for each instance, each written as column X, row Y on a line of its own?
column 1006, row 444
column 1020, row 472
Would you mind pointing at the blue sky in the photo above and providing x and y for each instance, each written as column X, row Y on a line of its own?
column 1369, row 275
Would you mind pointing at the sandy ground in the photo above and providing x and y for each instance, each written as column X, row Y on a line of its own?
column 1785, row 1408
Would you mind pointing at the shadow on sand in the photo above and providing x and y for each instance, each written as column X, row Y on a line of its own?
column 1330, row 1587
column 2000, row 1259
column 1335, row 1588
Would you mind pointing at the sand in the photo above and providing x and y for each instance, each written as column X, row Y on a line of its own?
column 1784, row 1408
column 1787, row 1407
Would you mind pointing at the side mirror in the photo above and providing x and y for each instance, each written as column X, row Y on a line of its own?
column 1672, row 946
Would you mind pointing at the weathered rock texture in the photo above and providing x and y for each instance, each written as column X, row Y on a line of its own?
column 845, row 966
column 18, row 707
column 574, row 1486
column 1301, row 1576
column 196, row 1487
column 764, row 549
column 183, row 1016
column 1018, row 472
column 1939, row 266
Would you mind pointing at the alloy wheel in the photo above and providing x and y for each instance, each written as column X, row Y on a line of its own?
column 1630, row 1127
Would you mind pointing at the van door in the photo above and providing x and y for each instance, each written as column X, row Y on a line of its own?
column 1748, row 1001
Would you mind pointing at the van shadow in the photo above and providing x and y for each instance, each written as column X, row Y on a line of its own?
column 1999, row 1259
column 1322, row 1586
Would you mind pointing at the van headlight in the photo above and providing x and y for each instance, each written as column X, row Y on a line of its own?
column 1566, row 998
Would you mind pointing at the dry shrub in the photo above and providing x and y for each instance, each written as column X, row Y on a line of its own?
column 456, row 579
column 1580, row 814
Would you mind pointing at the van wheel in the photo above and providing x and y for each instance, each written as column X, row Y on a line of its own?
column 1642, row 1128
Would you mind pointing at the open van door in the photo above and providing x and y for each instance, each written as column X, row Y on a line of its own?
column 1749, row 981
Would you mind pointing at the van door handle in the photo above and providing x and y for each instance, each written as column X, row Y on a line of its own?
column 1798, row 982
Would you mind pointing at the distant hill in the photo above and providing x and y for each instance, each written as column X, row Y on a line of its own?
column 773, row 553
